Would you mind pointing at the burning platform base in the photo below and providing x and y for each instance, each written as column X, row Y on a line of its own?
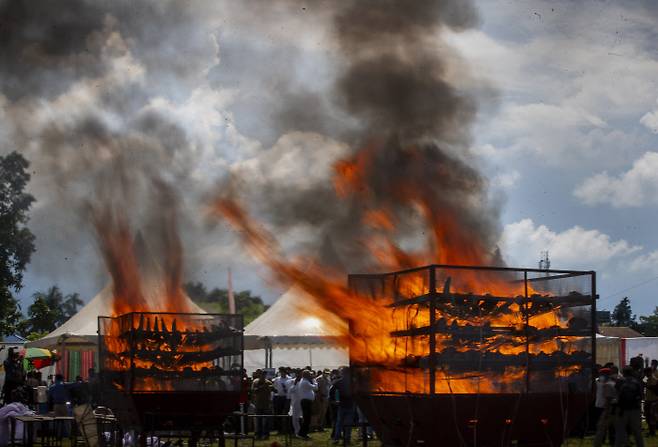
column 473, row 420
column 474, row 356
column 171, row 371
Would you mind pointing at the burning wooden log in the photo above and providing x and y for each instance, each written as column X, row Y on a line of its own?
column 485, row 331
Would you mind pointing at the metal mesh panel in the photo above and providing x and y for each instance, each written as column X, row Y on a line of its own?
column 156, row 352
column 469, row 330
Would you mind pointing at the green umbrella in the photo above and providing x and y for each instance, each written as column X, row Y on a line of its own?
column 38, row 357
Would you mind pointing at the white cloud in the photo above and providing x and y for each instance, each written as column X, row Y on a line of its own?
column 297, row 160
column 554, row 77
column 506, row 180
column 650, row 120
column 523, row 241
column 633, row 188
column 645, row 263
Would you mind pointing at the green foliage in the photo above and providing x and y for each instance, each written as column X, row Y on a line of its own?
column 32, row 336
column 622, row 315
column 71, row 304
column 216, row 301
column 649, row 324
column 16, row 240
column 10, row 313
column 51, row 309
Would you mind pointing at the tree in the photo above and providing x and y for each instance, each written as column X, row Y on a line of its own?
column 51, row 309
column 70, row 305
column 196, row 291
column 46, row 312
column 649, row 324
column 16, row 240
column 622, row 315
column 216, row 300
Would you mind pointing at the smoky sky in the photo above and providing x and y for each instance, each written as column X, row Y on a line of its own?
column 390, row 91
column 79, row 79
column 89, row 88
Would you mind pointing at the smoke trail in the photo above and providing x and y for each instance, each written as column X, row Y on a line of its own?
column 86, row 85
column 408, row 133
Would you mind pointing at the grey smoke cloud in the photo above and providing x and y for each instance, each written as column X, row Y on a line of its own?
column 392, row 92
column 108, row 99
column 89, row 88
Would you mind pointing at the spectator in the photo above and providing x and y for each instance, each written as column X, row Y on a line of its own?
column 322, row 398
column 94, row 387
column 341, row 393
column 366, row 429
column 42, row 399
column 295, row 404
column 281, row 402
column 637, row 363
column 59, row 396
column 81, row 397
column 306, row 389
column 628, row 414
column 262, row 397
column 605, row 398
column 14, row 376
column 651, row 399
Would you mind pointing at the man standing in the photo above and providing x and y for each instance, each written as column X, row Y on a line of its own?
column 13, row 367
column 59, row 396
column 629, row 416
column 341, row 393
column 281, row 402
column 605, row 397
column 261, row 390
column 83, row 412
column 651, row 398
column 307, row 388
column 322, row 398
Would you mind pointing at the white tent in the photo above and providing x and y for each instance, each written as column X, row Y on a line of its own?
column 295, row 332
column 81, row 330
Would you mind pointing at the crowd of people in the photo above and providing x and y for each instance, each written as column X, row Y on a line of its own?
column 622, row 399
column 304, row 400
column 313, row 400
column 43, row 396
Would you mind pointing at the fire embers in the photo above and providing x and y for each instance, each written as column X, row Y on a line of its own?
column 171, row 352
column 455, row 342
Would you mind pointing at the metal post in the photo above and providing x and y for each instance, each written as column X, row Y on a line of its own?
column 131, row 386
column 527, row 338
column 594, row 323
column 432, row 365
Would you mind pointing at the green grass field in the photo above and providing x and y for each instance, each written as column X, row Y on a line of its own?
column 323, row 440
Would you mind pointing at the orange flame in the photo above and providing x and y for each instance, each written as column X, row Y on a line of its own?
column 141, row 285
column 372, row 322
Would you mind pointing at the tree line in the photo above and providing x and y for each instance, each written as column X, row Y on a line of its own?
column 216, row 301
column 52, row 308
column 623, row 315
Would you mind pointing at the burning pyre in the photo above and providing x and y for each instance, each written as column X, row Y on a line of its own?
column 149, row 351
column 409, row 194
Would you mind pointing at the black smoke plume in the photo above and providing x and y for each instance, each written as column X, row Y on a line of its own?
column 396, row 85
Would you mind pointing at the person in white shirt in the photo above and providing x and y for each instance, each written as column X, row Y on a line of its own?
column 295, row 404
column 306, row 389
column 605, row 398
column 281, row 401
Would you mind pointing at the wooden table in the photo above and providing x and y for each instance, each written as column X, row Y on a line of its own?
column 29, row 426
